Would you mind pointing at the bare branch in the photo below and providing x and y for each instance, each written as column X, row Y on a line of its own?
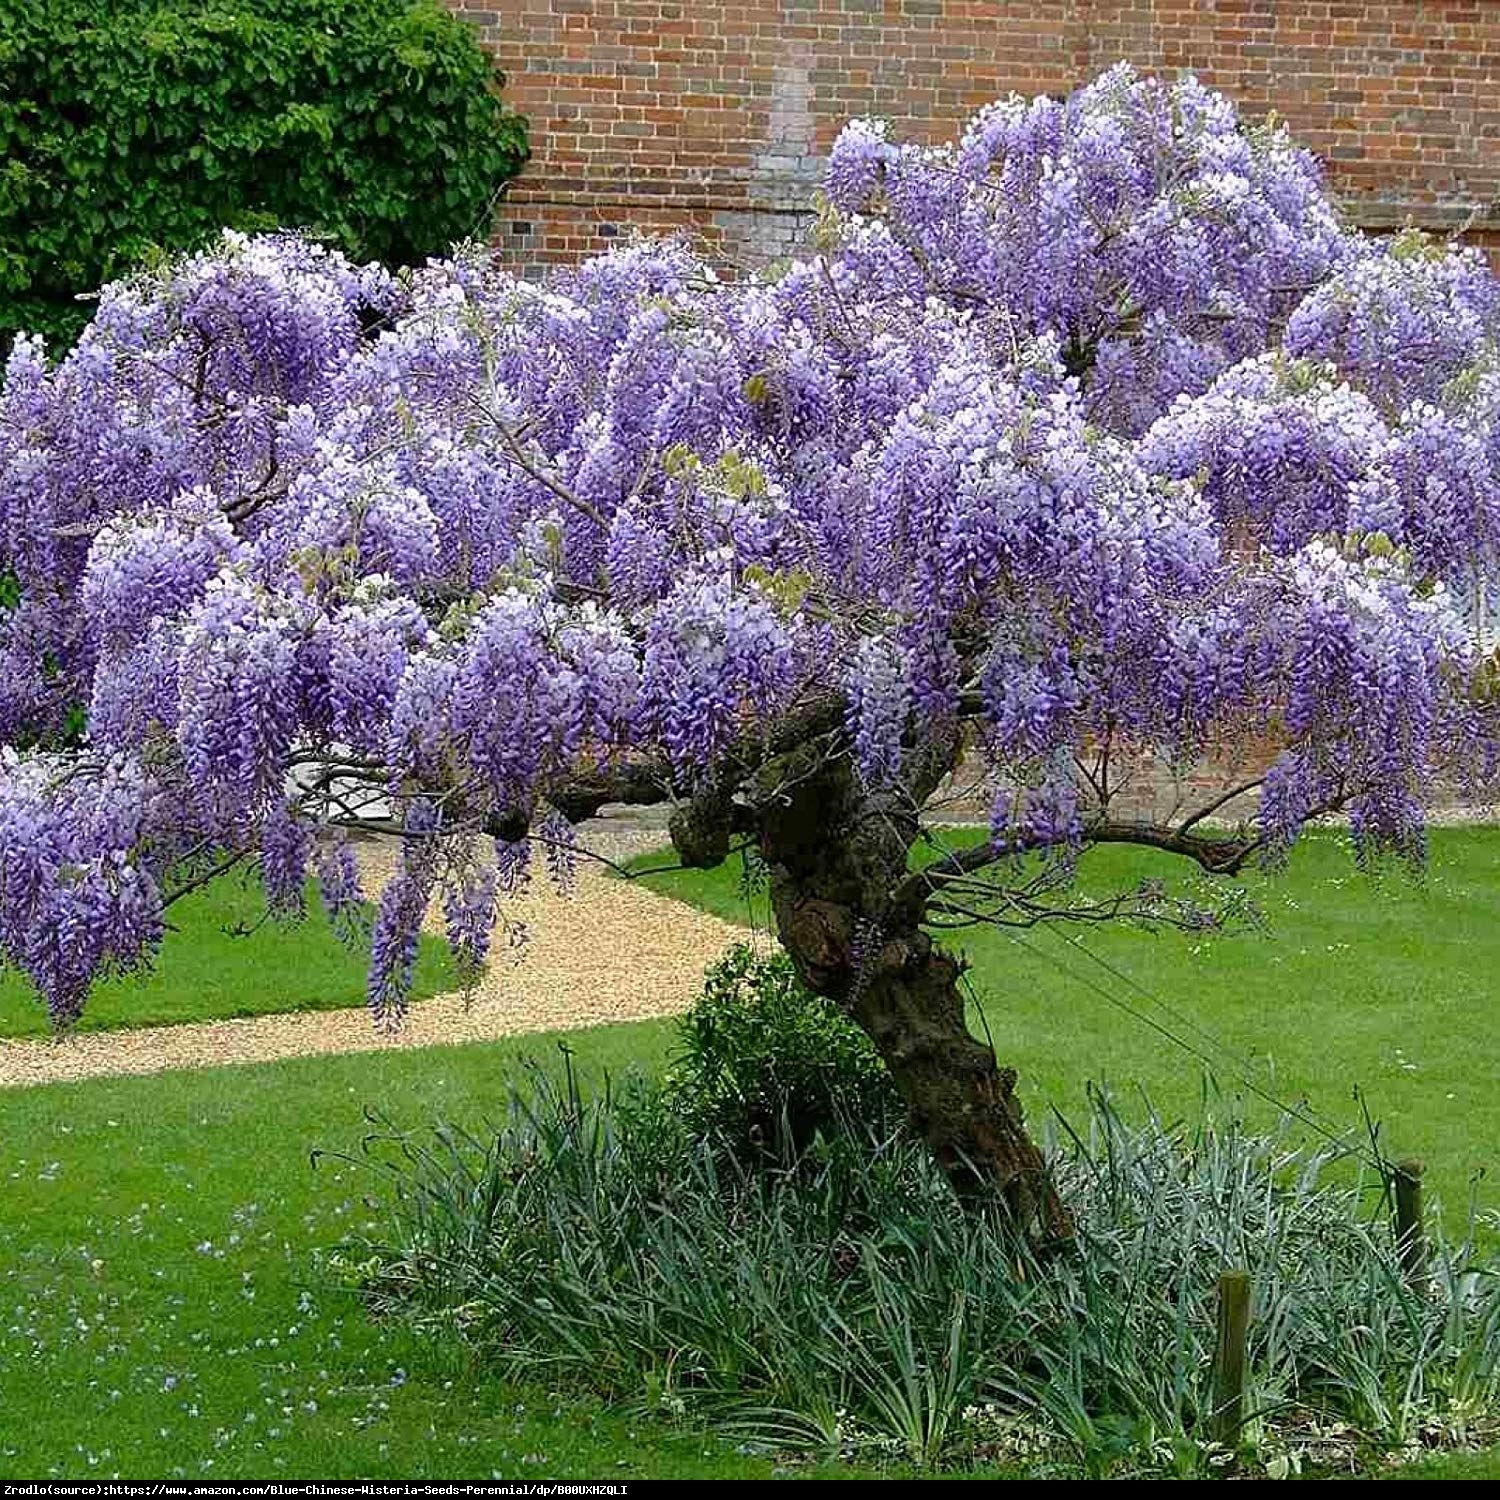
column 1211, row 808
column 1222, row 855
column 1218, row 856
column 198, row 881
column 1141, row 905
column 511, row 439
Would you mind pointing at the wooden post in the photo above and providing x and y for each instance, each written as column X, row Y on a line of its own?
column 1231, row 1358
column 1411, row 1238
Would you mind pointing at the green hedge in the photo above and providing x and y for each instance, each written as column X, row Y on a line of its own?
column 131, row 126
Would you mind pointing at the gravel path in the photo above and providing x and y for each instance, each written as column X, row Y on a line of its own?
column 612, row 951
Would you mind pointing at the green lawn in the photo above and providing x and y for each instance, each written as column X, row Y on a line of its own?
column 216, row 961
column 161, row 1312
column 1455, row 1466
column 1389, row 986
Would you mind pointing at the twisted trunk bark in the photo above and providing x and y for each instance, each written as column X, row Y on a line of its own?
column 835, row 853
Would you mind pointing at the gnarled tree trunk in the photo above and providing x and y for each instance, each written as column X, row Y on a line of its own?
column 836, row 852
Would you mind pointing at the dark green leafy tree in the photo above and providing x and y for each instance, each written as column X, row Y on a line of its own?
column 129, row 127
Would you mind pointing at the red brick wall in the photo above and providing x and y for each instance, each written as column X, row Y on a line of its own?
column 714, row 116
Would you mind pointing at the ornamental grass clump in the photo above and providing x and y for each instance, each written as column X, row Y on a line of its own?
column 840, row 1300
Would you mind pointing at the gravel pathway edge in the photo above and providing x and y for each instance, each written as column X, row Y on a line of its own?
column 612, row 951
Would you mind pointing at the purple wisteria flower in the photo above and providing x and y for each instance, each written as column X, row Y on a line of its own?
column 1094, row 426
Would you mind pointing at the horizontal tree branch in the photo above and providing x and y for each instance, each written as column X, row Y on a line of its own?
column 1218, row 855
column 223, row 867
column 1210, row 808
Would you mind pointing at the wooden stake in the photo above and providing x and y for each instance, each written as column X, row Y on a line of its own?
column 1411, row 1238
column 1231, row 1358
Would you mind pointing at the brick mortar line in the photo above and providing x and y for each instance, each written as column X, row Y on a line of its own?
column 1370, row 214
column 587, row 198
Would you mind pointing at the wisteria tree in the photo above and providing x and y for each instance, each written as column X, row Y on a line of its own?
column 1091, row 437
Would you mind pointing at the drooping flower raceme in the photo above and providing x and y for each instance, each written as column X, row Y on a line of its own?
column 1094, row 429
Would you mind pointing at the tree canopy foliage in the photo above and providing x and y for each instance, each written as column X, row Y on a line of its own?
column 1091, row 435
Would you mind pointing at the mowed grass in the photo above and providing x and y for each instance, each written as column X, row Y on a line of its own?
column 220, row 958
column 160, row 1311
column 162, row 1315
column 1484, row 1465
column 1387, row 985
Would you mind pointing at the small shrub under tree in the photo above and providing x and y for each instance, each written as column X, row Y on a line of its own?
column 764, row 1063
